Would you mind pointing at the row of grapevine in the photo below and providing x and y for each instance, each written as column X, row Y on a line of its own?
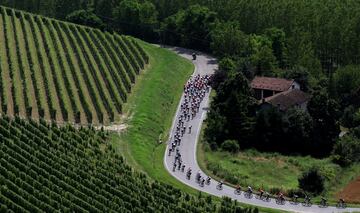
column 127, row 52
column 64, row 45
column 66, row 82
column 141, row 51
column 7, row 37
column 39, row 90
column 109, row 65
column 139, row 59
column 83, row 66
column 53, row 78
column 116, row 62
column 21, row 66
column 64, row 72
column 124, row 60
column 3, row 94
column 44, row 168
column 102, row 69
column 43, row 73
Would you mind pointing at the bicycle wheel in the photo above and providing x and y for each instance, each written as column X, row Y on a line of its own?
column 237, row 192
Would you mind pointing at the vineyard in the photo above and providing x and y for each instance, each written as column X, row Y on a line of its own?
column 45, row 168
column 64, row 72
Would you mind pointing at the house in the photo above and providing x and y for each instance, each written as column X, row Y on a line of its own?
column 286, row 100
column 265, row 86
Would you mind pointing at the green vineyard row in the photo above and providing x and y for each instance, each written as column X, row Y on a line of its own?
column 64, row 72
column 45, row 168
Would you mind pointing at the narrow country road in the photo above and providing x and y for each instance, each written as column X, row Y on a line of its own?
column 205, row 64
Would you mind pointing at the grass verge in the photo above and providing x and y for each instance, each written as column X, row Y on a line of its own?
column 272, row 171
column 150, row 111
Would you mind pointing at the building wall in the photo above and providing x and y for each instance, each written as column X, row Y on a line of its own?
column 295, row 85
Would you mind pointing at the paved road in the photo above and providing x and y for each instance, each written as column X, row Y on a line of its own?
column 207, row 65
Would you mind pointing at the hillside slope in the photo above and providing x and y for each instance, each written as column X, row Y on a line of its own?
column 64, row 72
column 45, row 168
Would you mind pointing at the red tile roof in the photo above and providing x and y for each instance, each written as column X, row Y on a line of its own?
column 274, row 84
column 288, row 99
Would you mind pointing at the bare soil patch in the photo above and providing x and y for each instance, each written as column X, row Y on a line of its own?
column 351, row 192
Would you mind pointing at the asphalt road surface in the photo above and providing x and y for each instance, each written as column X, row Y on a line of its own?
column 205, row 64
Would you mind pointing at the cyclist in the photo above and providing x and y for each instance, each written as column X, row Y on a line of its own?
column 267, row 195
column 261, row 192
column 194, row 56
column 341, row 203
column 323, row 201
column 221, row 184
column 307, row 199
column 238, row 188
column 249, row 190
column 188, row 174
column 295, row 197
column 190, row 129
column 174, row 166
column 198, row 176
column 208, row 180
column 281, row 197
column 202, row 182
column 183, row 168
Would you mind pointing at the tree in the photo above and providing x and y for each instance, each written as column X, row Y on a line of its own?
column 136, row 18
column 325, row 114
column 226, row 67
column 278, row 39
column 347, row 81
column 299, row 131
column 312, row 181
column 262, row 57
column 351, row 117
column 347, row 150
column 228, row 40
column 269, row 131
column 216, row 128
column 233, row 106
column 85, row 17
column 230, row 146
column 191, row 27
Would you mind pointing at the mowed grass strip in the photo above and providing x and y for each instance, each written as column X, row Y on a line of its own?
column 150, row 109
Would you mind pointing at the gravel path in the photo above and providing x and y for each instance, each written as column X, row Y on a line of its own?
column 205, row 64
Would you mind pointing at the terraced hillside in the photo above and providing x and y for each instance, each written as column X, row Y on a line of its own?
column 64, row 72
column 44, row 168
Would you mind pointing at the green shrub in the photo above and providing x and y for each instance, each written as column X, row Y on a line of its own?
column 312, row 181
column 347, row 150
column 230, row 146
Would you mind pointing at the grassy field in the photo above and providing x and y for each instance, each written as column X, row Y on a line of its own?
column 272, row 171
column 62, row 71
column 150, row 112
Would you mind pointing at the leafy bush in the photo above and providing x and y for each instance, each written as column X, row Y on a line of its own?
column 230, row 146
column 347, row 150
column 312, row 181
